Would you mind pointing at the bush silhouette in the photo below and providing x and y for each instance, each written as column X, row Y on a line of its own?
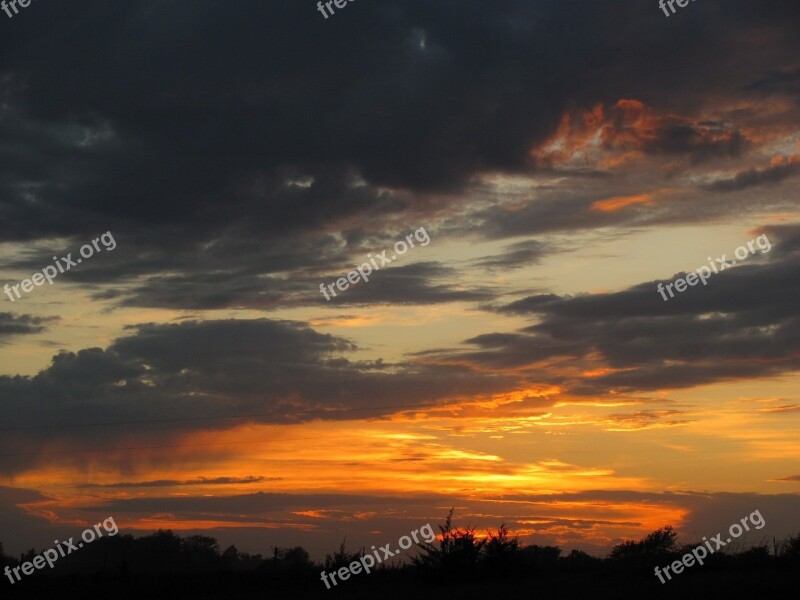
column 662, row 542
column 791, row 547
column 457, row 554
column 540, row 558
column 341, row 558
column 457, row 562
column 202, row 553
column 501, row 552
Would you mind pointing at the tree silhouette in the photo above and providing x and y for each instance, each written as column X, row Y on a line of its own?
column 455, row 565
column 160, row 551
column 501, row 552
column 341, row 558
column 297, row 558
column 580, row 561
column 202, row 552
column 458, row 552
column 658, row 543
column 791, row 547
column 230, row 557
column 540, row 558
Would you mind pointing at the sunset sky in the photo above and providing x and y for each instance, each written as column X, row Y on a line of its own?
column 563, row 158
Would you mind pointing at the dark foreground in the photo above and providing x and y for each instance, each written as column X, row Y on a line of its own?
column 458, row 566
column 755, row 582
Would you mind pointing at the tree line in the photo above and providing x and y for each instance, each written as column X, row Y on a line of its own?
column 457, row 553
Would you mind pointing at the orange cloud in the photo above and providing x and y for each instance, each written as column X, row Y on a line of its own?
column 608, row 138
column 619, row 202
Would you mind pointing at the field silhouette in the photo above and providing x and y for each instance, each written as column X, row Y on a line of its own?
column 460, row 564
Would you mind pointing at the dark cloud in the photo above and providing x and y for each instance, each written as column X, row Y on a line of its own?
column 578, row 208
column 516, row 256
column 699, row 142
column 244, row 273
column 156, row 122
column 139, row 391
column 178, row 482
column 420, row 283
column 756, row 177
column 246, row 505
column 742, row 324
column 19, row 528
column 12, row 324
column 777, row 81
column 553, row 211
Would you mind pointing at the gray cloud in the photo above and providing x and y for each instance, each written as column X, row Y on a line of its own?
column 518, row 255
column 742, row 324
column 777, row 81
column 204, row 170
column 12, row 324
column 139, row 391
column 420, row 283
column 755, row 177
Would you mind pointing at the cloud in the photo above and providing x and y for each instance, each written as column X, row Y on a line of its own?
column 12, row 325
column 259, row 370
column 622, row 202
column 777, row 81
column 420, row 283
column 757, row 177
column 20, row 529
column 742, row 324
column 647, row 419
column 194, row 165
column 606, row 138
column 518, row 255
column 178, row 482
column 592, row 520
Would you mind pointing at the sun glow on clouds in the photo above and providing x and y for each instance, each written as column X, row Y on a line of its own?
column 428, row 455
column 608, row 138
column 621, row 202
column 553, row 445
column 447, row 454
column 597, row 523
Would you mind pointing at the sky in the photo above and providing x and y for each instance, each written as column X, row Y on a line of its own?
column 552, row 163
